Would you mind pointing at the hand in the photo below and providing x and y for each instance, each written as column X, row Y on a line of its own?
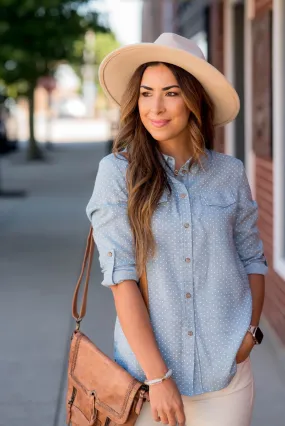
column 245, row 348
column 166, row 403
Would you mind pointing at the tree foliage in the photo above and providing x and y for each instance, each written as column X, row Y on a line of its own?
column 105, row 43
column 36, row 36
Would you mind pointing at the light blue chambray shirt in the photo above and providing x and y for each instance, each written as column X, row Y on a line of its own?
column 207, row 243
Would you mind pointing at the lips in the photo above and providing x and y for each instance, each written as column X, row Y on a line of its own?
column 159, row 123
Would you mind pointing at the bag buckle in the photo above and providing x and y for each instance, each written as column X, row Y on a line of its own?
column 78, row 321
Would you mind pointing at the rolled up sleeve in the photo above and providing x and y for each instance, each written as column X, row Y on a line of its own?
column 107, row 211
column 246, row 234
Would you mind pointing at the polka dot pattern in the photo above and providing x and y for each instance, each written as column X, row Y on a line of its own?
column 207, row 244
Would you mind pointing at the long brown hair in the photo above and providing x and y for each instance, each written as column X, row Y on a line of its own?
column 146, row 176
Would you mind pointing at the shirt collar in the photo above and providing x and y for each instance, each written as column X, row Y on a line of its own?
column 205, row 161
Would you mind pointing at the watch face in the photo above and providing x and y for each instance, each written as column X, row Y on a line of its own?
column 258, row 335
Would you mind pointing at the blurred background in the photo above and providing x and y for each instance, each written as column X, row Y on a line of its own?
column 56, row 125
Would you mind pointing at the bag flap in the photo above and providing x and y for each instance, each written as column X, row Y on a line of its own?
column 113, row 387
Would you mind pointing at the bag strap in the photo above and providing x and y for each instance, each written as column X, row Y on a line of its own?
column 87, row 263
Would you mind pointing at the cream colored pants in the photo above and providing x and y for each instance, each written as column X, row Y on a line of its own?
column 231, row 406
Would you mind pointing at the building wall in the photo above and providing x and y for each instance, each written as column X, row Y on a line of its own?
column 216, row 55
column 157, row 18
column 274, row 306
column 151, row 22
column 190, row 17
column 262, row 168
column 263, row 5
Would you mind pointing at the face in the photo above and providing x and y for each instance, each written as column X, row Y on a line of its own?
column 161, row 107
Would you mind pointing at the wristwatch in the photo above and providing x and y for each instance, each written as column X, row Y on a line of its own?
column 256, row 334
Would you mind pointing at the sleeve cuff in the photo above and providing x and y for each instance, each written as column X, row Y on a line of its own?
column 119, row 274
column 257, row 268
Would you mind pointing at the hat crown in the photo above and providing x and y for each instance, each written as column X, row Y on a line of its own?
column 178, row 42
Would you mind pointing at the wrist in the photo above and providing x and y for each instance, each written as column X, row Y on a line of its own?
column 251, row 337
column 156, row 372
column 160, row 379
column 256, row 334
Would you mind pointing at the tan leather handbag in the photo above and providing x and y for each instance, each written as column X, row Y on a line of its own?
column 100, row 392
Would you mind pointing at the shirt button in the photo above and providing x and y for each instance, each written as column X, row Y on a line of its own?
column 186, row 225
column 176, row 172
column 182, row 195
column 188, row 295
column 187, row 259
column 184, row 171
column 190, row 333
column 110, row 253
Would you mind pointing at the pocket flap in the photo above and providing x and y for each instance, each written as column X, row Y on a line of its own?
column 220, row 198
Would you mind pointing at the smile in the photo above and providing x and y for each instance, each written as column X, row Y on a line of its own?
column 159, row 123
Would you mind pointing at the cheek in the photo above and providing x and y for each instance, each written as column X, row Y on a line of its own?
column 181, row 113
column 142, row 106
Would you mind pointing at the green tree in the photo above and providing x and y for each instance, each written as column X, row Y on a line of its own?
column 34, row 38
column 105, row 43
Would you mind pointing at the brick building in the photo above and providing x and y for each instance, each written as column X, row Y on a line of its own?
column 244, row 40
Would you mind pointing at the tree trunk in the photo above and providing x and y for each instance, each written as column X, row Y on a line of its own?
column 34, row 152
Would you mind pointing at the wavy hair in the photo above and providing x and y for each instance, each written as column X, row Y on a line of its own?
column 146, row 176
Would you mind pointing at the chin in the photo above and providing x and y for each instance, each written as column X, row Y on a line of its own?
column 159, row 133
column 161, row 137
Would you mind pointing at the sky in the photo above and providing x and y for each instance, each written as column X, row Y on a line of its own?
column 124, row 18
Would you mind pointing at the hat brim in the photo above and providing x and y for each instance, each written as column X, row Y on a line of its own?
column 117, row 68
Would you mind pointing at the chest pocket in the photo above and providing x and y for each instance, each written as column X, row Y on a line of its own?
column 218, row 199
column 218, row 209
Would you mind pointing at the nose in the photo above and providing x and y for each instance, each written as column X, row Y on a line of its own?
column 157, row 105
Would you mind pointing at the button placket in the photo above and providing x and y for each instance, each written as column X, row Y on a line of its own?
column 188, row 271
column 188, row 288
column 186, row 275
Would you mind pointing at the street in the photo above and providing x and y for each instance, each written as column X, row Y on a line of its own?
column 42, row 244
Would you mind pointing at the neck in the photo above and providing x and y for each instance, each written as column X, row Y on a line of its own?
column 178, row 148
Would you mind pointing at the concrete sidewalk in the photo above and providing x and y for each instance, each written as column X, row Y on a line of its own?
column 42, row 244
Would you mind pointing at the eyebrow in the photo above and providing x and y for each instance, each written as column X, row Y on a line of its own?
column 164, row 88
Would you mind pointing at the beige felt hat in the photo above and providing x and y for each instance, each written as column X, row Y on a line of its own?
column 118, row 66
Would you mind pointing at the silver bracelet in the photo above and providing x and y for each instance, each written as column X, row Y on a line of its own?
column 155, row 381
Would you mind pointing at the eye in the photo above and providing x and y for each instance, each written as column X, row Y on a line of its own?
column 145, row 94
column 173, row 93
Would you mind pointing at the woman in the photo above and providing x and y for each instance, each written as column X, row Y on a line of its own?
column 166, row 203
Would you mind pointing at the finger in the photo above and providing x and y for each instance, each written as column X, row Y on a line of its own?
column 171, row 419
column 180, row 417
column 163, row 418
column 155, row 415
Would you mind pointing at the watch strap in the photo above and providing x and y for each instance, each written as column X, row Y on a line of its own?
column 252, row 330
